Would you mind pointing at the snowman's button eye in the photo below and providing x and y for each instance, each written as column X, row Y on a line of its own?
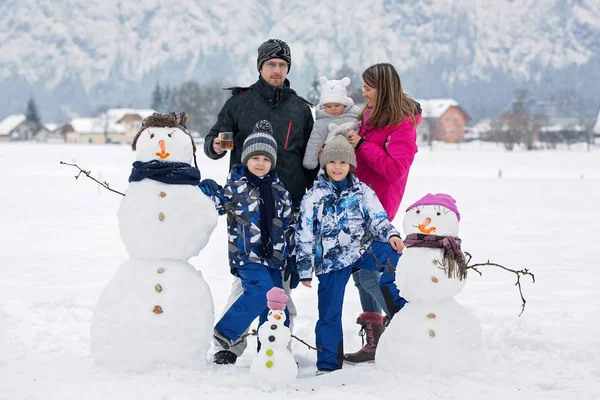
column 418, row 211
column 152, row 136
column 170, row 134
column 439, row 213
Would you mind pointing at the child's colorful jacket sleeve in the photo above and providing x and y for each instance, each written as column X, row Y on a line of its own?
column 289, row 224
column 305, row 238
column 377, row 219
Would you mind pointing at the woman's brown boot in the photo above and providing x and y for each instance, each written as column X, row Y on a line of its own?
column 372, row 326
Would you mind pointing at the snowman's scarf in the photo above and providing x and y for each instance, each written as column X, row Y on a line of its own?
column 454, row 262
column 173, row 173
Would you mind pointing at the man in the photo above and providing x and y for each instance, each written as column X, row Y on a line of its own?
column 271, row 99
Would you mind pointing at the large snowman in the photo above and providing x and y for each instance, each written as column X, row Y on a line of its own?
column 158, row 309
column 274, row 364
column 432, row 332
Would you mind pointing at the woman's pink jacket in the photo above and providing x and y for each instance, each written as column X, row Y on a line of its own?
column 384, row 160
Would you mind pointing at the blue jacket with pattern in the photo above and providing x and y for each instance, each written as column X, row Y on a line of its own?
column 239, row 200
column 333, row 223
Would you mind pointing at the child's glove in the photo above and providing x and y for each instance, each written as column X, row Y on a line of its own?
column 209, row 187
column 294, row 280
column 291, row 272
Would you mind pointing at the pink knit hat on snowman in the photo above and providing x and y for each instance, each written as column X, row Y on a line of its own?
column 276, row 299
column 438, row 199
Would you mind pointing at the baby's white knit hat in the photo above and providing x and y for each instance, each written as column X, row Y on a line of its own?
column 334, row 91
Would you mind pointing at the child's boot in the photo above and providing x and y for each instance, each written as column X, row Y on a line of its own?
column 224, row 357
column 372, row 326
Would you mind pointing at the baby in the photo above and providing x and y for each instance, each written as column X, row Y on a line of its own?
column 334, row 107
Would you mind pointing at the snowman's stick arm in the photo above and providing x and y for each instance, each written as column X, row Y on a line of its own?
column 388, row 267
column 306, row 344
column 87, row 173
column 518, row 273
column 254, row 332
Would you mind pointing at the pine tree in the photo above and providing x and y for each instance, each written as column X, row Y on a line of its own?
column 314, row 91
column 201, row 103
column 31, row 114
column 157, row 99
column 188, row 99
column 168, row 99
column 355, row 88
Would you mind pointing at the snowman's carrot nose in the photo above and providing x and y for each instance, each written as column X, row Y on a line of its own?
column 163, row 152
column 277, row 317
column 423, row 226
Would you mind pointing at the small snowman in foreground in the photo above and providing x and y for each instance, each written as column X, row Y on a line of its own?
column 432, row 332
column 274, row 364
column 158, row 309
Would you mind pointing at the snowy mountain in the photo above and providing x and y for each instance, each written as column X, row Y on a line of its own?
column 75, row 56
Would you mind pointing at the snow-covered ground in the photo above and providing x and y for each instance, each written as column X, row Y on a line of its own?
column 60, row 244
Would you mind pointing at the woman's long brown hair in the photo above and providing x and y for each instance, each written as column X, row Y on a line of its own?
column 392, row 105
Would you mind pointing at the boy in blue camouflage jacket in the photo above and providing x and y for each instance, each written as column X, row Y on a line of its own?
column 260, row 225
column 340, row 217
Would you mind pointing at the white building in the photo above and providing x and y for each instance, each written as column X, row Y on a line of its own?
column 116, row 125
column 15, row 128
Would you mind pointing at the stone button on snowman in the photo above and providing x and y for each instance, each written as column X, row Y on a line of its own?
column 432, row 332
column 158, row 309
column 274, row 364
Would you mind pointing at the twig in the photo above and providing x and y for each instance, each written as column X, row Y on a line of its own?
column 518, row 273
column 254, row 332
column 87, row 173
column 387, row 267
column 306, row 344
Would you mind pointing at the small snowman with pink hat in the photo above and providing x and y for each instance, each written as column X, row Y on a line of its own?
column 274, row 364
column 432, row 332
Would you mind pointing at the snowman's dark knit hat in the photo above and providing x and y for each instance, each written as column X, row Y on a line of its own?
column 165, row 120
column 276, row 299
column 260, row 143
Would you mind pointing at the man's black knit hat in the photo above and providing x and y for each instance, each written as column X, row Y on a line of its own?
column 274, row 48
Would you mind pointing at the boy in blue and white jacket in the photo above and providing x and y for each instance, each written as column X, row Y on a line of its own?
column 335, row 216
column 260, row 225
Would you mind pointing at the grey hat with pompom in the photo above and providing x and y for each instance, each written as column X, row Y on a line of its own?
column 338, row 149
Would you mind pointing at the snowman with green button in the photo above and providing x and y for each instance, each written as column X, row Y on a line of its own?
column 274, row 364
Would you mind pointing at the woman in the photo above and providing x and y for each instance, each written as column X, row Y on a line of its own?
column 385, row 148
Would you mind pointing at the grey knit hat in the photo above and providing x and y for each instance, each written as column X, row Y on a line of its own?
column 338, row 149
column 274, row 48
column 260, row 143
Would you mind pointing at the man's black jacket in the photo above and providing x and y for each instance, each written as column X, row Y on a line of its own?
column 292, row 123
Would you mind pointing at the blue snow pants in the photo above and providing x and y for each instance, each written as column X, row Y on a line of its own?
column 382, row 289
column 328, row 331
column 257, row 280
